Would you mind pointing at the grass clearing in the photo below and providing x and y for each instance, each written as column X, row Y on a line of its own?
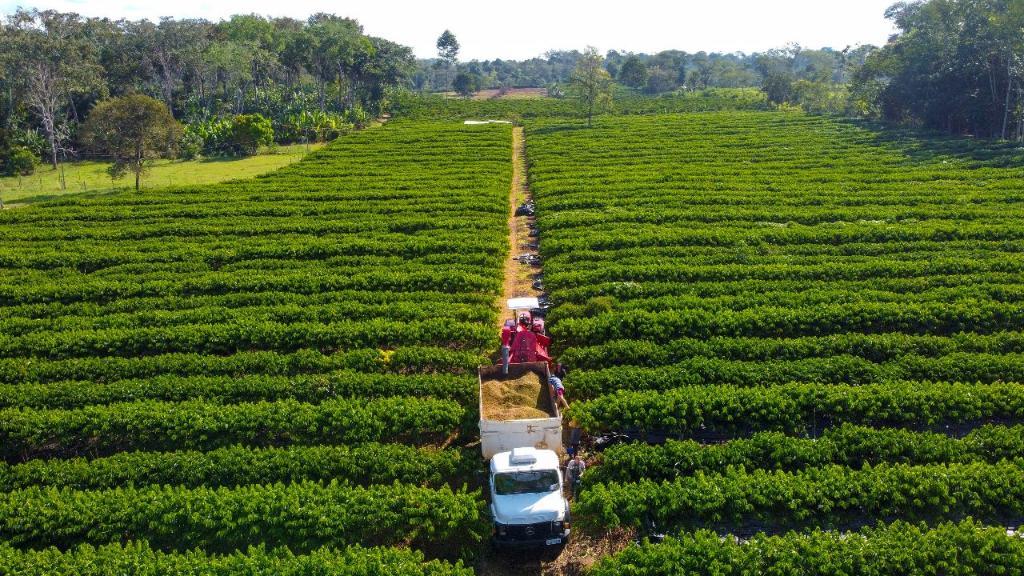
column 91, row 176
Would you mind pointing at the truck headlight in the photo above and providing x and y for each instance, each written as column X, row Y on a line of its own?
column 501, row 529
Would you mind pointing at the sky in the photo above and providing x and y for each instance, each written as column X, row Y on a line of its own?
column 522, row 29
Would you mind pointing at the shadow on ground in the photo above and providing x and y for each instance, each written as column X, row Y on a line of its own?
column 928, row 146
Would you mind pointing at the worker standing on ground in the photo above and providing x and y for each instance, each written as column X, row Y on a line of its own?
column 574, row 474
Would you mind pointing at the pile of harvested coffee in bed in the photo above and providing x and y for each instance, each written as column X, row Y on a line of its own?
column 515, row 399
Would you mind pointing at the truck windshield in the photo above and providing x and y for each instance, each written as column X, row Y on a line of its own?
column 526, row 482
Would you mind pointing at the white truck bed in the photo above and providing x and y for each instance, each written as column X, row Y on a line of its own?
column 504, row 435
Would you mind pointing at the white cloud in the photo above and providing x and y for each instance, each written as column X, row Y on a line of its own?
column 526, row 28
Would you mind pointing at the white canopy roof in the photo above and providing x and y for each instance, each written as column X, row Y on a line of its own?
column 523, row 303
column 542, row 460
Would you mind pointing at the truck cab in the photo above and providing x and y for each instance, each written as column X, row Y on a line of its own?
column 527, row 504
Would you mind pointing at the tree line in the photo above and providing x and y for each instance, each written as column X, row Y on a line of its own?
column 666, row 71
column 955, row 66
column 309, row 78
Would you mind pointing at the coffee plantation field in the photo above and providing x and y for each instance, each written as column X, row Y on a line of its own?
column 276, row 362
column 812, row 328
column 824, row 319
column 624, row 101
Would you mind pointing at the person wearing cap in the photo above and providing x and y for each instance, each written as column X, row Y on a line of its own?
column 524, row 323
column 574, row 474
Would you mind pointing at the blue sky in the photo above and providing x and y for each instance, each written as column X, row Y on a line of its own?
column 526, row 28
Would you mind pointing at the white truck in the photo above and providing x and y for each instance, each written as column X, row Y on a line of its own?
column 527, row 504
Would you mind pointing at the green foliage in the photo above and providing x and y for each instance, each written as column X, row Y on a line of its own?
column 823, row 98
column 248, row 133
column 824, row 371
column 423, row 107
column 276, row 361
column 831, row 496
column 315, row 126
column 958, row 353
column 815, row 80
column 955, row 66
column 777, row 86
column 448, row 47
column 207, row 425
column 846, row 445
column 896, row 549
column 28, row 139
column 17, row 161
column 466, row 83
column 786, row 273
column 302, row 516
column 841, row 305
column 364, row 464
column 591, row 85
column 60, row 63
column 633, row 73
column 917, row 318
column 411, row 360
column 191, row 144
column 132, row 130
column 212, row 134
column 50, row 60
column 239, row 388
column 140, row 557
column 404, row 255
column 229, row 336
column 798, row 407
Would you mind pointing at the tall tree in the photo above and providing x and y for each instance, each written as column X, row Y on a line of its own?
column 55, row 62
column 591, row 84
column 230, row 65
column 337, row 49
column 125, row 51
column 54, row 67
column 390, row 65
column 633, row 73
column 133, row 130
column 179, row 53
column 466, row 83
column 955, row 65
column 448, row 50
column 777, row 75
column 297, row 46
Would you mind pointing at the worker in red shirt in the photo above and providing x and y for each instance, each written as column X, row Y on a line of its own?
column 524, row 342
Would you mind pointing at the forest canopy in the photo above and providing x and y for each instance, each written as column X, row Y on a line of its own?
column 956, row 66
column 310, row 77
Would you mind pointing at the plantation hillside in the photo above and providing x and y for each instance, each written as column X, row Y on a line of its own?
column 811, row 329
column 840, row 305
column 275, row 361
